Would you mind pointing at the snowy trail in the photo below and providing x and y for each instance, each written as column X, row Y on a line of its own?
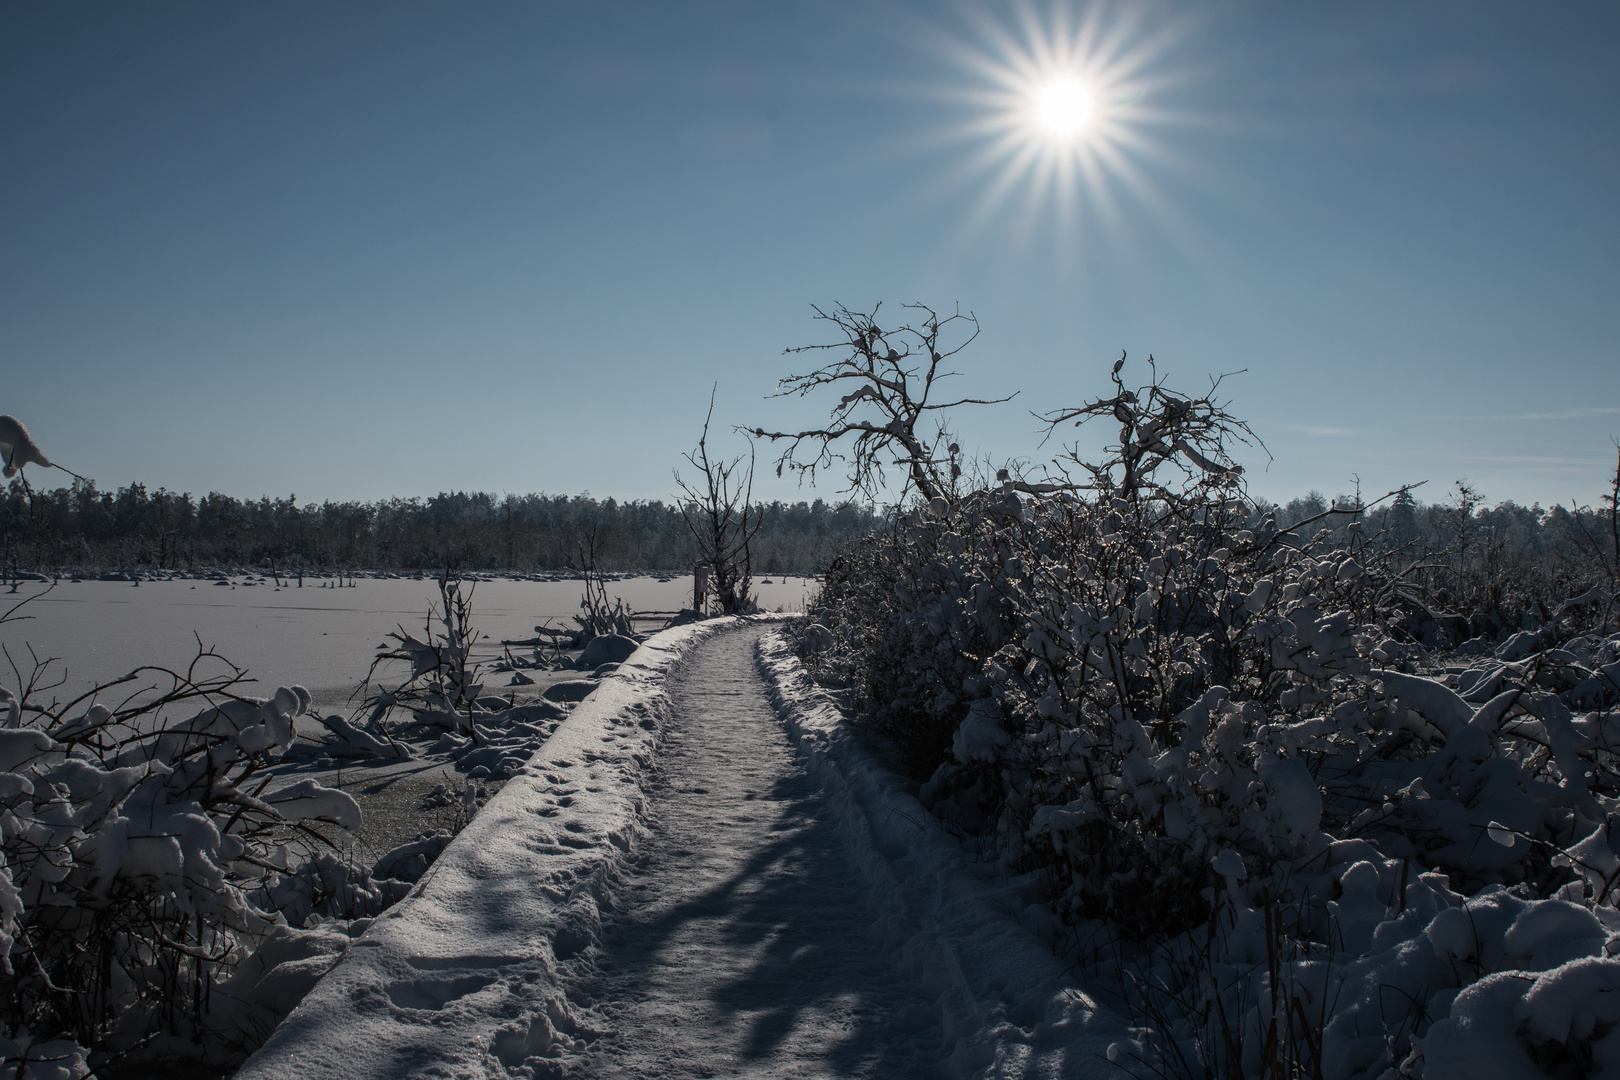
column 745, row 944
column 701, row 873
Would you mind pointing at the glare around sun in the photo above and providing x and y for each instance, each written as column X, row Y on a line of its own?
column 1063, row 107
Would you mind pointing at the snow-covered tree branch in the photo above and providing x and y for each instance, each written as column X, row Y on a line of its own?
column 887, row 379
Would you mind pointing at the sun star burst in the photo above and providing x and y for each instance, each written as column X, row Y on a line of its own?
column 1064, row 108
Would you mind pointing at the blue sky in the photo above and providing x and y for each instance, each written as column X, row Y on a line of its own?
column 364, row 250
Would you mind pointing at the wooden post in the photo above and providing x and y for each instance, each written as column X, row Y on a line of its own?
column 700, row 585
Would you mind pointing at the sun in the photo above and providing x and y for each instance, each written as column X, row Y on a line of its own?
column 1064, row 110
column 1063, row 107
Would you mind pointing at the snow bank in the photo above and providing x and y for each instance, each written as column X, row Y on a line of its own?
column 459, row 978
column 969, row 934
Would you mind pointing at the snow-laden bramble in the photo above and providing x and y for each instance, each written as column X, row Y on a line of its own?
column 1225, row 745
column 160, row 896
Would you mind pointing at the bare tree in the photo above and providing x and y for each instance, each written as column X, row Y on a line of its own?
column 722, row 518
column 1159, row 429
column 890, row 376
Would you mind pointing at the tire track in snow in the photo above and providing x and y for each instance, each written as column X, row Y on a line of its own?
column 744, row 942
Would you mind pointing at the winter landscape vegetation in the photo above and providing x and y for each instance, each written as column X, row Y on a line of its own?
column 860, row 731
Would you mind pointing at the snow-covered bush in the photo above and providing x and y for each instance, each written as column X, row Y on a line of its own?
column 141, row 849
column 431, row 686
column 162, row 895
column 1296, row 838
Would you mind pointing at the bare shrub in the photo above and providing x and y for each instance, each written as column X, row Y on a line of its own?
column 723, row 519
column 444, row 683
column 1161, row 432
column 598, row 615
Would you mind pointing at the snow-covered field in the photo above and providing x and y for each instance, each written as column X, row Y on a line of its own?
column 318, row 637
column 702, row 868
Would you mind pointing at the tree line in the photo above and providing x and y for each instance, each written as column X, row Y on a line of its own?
column 1479, row 550
column 83, row 527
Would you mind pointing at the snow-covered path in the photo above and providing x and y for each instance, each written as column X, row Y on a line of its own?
column 744, row 941
column 701, row 873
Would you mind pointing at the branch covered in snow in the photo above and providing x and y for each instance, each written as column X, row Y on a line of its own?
column 890, row 376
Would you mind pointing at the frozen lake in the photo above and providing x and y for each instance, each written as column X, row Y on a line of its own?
column 320, row 637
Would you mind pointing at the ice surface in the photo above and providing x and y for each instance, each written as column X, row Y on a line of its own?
column 322, row 638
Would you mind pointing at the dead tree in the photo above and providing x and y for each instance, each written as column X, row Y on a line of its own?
column 720, row 514
column 1172, row 450
column 889, row 376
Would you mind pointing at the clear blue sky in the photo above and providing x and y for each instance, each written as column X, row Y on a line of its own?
column 359, row 250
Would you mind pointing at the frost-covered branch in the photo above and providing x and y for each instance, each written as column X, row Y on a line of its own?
column 876, row 424
column 1160, row 428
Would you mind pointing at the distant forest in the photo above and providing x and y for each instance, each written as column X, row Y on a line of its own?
column 135, row 528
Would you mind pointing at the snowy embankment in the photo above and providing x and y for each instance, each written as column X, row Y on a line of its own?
column 461, row 975
column 967, row 933
column 469, row 975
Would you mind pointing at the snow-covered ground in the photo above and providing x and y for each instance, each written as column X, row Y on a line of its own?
column 700, row 873
column 324, row 638
column 318, row 637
